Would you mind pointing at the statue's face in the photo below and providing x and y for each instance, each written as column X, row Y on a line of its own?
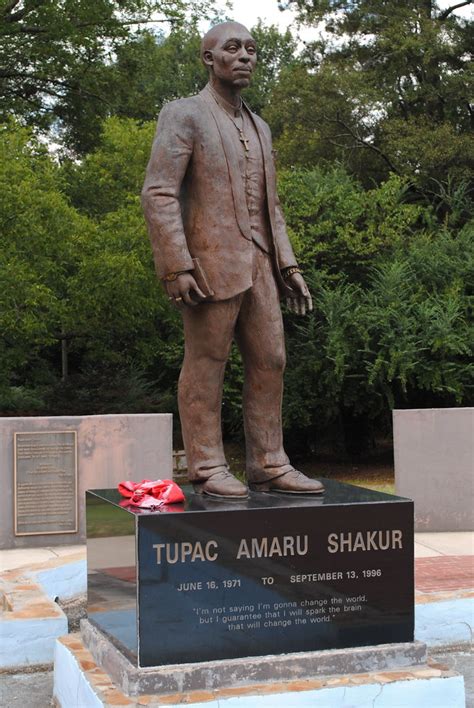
column 233, row 56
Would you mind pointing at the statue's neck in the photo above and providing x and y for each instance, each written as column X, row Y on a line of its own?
column 231, row 94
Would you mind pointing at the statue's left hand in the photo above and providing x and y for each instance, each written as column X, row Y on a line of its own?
column 301, row 302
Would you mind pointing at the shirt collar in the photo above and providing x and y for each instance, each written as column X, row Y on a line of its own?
column 228, row 107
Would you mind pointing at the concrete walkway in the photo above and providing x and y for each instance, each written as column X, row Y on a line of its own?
column 444, row 543
column 20, row 557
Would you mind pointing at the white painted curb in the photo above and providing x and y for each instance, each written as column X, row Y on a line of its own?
column 63, row 582
column 72, row 690
column 26, row 642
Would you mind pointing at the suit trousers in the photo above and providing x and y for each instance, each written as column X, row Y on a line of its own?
column 253, row 318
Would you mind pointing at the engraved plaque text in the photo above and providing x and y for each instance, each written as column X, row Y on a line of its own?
column 45, row 483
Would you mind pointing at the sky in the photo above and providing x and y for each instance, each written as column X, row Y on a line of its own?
column 249, row 11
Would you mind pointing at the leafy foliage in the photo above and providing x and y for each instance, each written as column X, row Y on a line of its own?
column 108, row 177
column 393, row 331
column 38, row 246
column 153, row 68
column 337, row 225
column 55, row 57
column 68, row 278
column 385, row 89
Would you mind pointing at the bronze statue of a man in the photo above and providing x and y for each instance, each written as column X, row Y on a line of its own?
column 221, row 248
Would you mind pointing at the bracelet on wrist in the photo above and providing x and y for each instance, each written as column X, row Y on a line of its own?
column 286, row 272
column 172, row 276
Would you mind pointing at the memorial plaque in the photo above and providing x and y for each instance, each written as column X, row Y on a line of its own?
column 213, row 579
column 45, row 468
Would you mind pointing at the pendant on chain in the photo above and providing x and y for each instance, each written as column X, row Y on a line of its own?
column 244, row 141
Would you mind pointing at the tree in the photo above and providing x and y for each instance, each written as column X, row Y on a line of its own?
column 54, row 56
column 151, row 69
column 82, row 315
column 386, row 89
column 275, row 50
column 339, row 229
column 111, row 176
column 38, row 251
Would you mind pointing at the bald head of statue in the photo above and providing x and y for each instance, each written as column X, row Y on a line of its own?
column 229, row 53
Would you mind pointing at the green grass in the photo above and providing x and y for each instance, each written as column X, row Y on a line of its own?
column 377, row 485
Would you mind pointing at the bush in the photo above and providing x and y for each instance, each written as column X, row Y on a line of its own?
column 391, row 328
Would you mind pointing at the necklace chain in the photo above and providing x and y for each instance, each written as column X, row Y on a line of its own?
column 243, row 139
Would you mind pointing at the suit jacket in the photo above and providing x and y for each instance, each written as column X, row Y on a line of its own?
column 194, row 200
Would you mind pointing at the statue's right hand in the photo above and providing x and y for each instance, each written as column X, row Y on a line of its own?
column 184, row 290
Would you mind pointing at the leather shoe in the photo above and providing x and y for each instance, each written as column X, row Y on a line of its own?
column 221, row 484
column 290, row 482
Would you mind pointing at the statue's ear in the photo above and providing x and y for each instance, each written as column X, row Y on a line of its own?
column 207, row 58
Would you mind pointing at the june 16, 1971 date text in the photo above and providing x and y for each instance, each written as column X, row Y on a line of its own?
column 209, row 585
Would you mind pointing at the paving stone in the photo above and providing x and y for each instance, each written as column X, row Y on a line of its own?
column 444, row 573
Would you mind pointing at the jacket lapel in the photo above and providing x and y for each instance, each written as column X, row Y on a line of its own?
column 232, row 159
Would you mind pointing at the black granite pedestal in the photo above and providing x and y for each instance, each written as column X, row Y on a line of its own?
column 208, row 579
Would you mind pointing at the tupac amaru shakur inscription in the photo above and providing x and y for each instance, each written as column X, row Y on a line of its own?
column 222, row 251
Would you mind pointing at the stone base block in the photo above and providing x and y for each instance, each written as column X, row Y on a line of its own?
column 250, row 577
column 79, row 682
column 243, row 672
